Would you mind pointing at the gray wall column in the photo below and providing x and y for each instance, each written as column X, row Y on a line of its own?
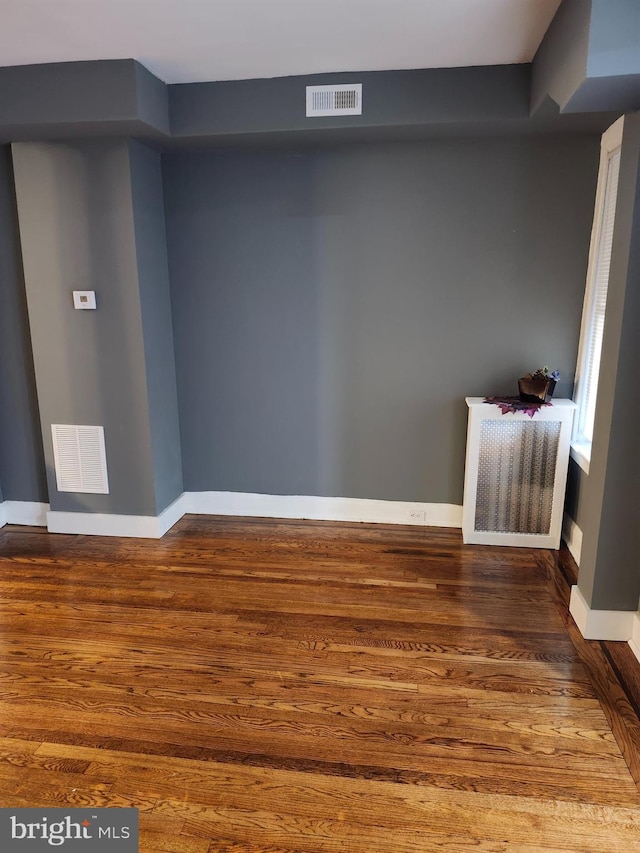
column 155, row 303
column 22, row 471
column 589, row 59
column 83, row 227
column 609, row 577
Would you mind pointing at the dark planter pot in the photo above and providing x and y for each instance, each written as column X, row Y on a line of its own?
column 536, row 390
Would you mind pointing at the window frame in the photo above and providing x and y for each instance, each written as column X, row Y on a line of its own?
column 611, row 141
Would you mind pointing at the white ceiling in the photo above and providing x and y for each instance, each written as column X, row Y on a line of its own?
column 196, row 40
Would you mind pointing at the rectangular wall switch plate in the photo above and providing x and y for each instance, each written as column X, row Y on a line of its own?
column 84, row 299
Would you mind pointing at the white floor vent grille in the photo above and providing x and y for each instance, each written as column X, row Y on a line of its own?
column 80, row 459
column 337, row 100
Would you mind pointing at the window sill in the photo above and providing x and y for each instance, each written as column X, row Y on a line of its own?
column 581, row 453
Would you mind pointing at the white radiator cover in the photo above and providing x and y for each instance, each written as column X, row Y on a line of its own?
column 515, row 475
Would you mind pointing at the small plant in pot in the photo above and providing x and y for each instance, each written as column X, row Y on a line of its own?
column 538, row 387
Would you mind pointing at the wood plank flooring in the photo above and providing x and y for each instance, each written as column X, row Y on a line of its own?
column 254, row 686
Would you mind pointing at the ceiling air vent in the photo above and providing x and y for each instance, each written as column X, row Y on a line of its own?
column 339, row 100
column 81, row 464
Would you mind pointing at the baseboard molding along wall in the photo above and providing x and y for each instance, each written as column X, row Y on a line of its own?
column 323, row 508
column 30, row 513
column 107, row 524
column 94, row 524
column 617, row 625
column 600, row 624
column 572, row 535
column 634, row 642
column 233, row 503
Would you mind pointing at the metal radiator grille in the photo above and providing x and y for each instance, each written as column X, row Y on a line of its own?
column 516, row 476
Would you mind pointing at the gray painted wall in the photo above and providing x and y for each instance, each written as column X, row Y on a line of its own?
column 442, row 96
column 121, row 98
column 333, row 308
column 155, row 303
column 117, row 97
column 22, row 472
column 68, row 92
column 76, row 223
column 560, row 65
column 609, row 507
column 152, row 97
column 614, row 39
column 589, row 59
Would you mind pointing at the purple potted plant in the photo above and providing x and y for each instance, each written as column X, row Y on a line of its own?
column 538, row 387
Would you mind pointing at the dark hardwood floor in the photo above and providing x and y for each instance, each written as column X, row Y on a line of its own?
column 254, row 686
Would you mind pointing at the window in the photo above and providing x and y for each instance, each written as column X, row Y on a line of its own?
column 595, row 300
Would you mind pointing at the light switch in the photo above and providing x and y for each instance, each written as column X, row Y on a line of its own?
column 84, row 299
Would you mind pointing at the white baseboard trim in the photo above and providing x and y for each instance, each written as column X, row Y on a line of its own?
column 106, row 524
column 232, row 503
column 600, row 624
column 171, row 515
column 323, row 508
column 572, row 535
column 634, row 642
column 30, row 513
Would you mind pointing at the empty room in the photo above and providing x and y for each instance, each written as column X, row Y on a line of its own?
column 319, row 405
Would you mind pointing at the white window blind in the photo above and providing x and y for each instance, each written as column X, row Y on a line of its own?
column 597, row 286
